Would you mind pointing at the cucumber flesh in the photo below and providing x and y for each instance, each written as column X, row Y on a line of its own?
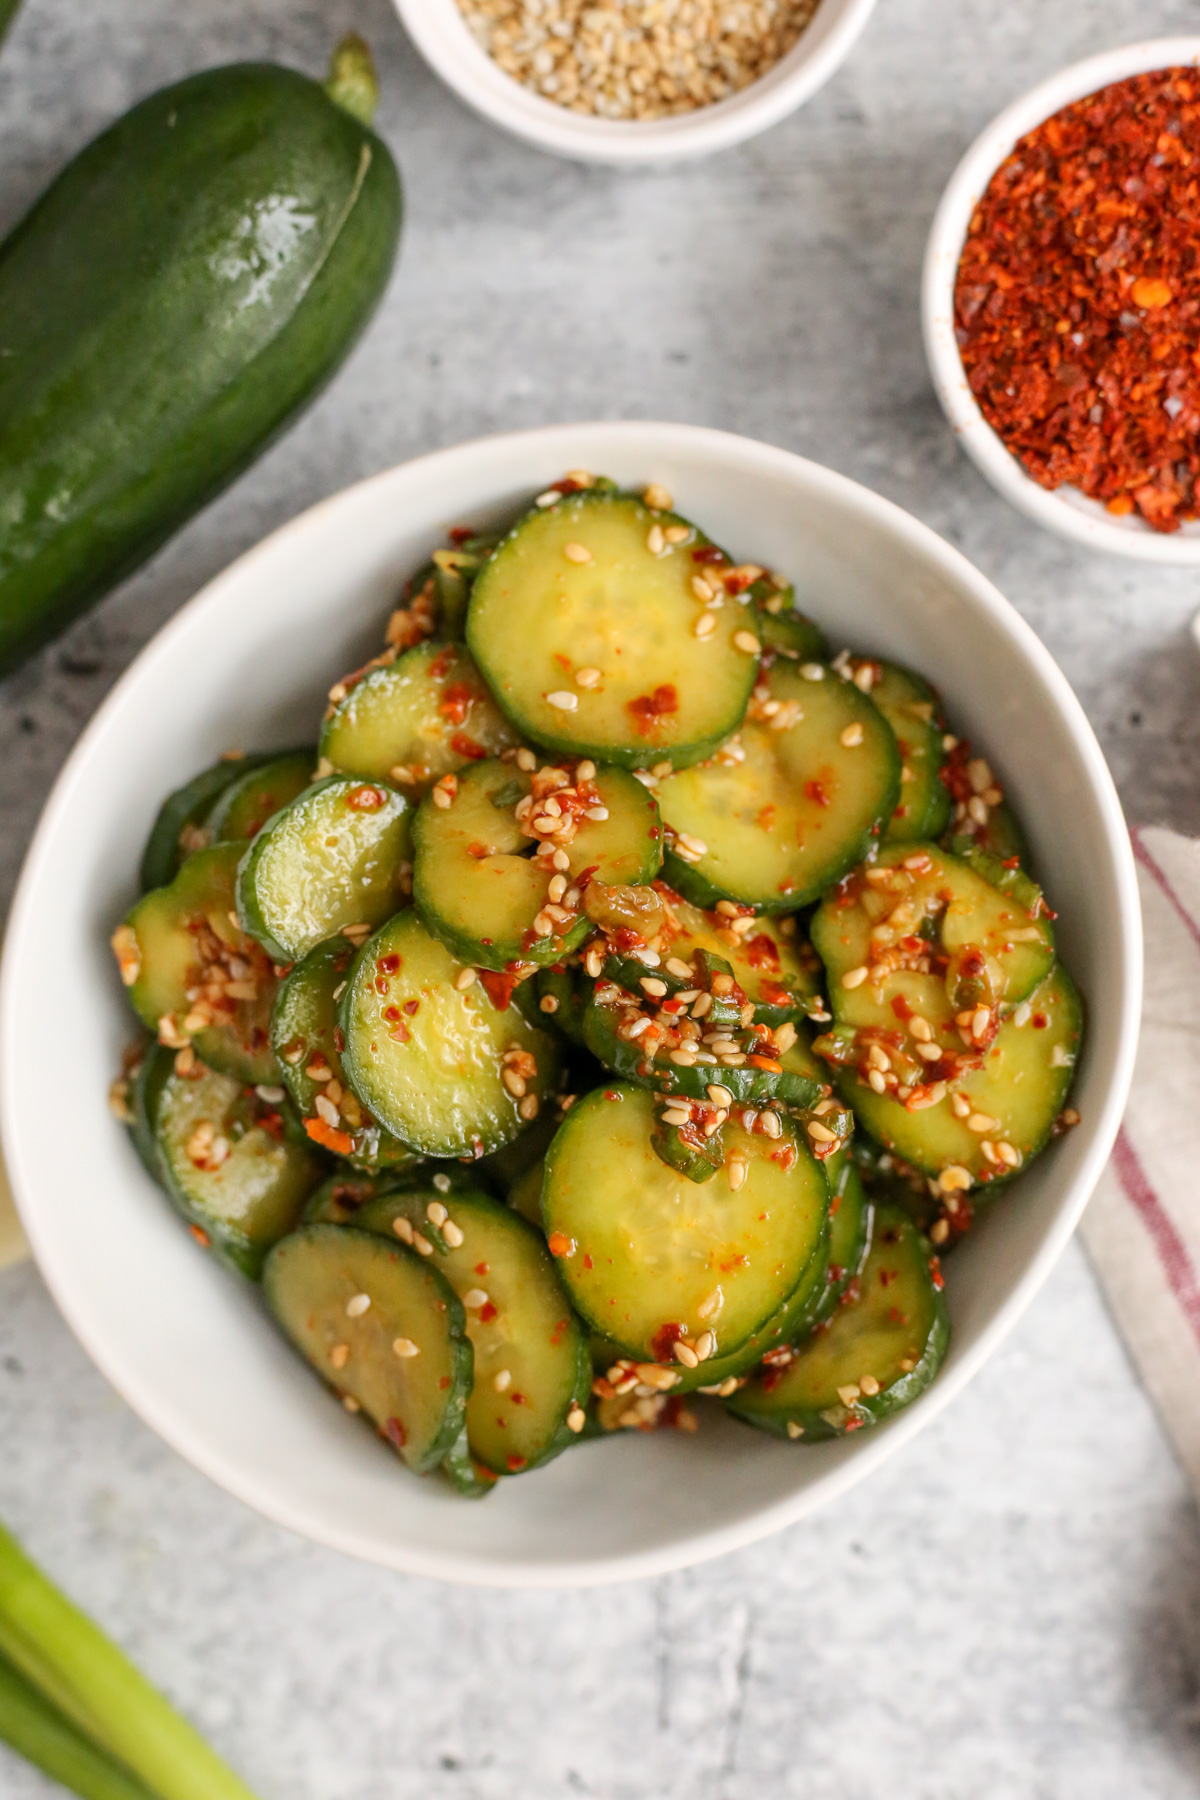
column 525, row 1194
column 532, row 1370
column 337, row 856
column 244, row 807
column 590, row 587
column 877, row 1355
column 782, row 812
column 994, row 1117
column 651, row 1258
column 414, row 720
column 304, row 1037
column 338, row 1199
column 911, row 708
column 179, row 829
column 192, row 974
column 226, row 1160
column 924, row 956
column 315, row 1282
column 441, row 1067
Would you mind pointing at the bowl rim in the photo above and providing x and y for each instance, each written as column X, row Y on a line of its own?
column 1101, row 1123
column 1063, row 510
column 442, row 36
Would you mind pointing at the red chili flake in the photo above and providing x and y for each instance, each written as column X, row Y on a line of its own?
column 393, row 1431
column 339, row 1039
column 329, row 1137
column 765, row 816
column 441, row 662
column 901, row 1008
column 455, row 702
column 366, row 798
column 460, row 534
column 489, row 1311
column 272, row 1124
column 625, row 938
column 559, row 1244
column 444, row 1382
column 498, row 988
column 382, row 985
column 647, row 709
column 389, row 964
column 516, row 1462
column 482, row 1268
column 662, row 1344
column 1076, row 305
column 855, row 1424
column 762, row 952
column 708, row 553
column 587, row 1261
column 1039, row 1021
column 201, row 1236
column 464, row 745
column 610, row 1095
column 564, row 662
column 817, row 792
column 412, row 1008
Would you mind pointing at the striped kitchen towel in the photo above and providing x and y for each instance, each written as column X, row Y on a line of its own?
column 1142, row 1228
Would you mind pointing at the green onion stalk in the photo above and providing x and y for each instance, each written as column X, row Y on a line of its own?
column 74, row 1705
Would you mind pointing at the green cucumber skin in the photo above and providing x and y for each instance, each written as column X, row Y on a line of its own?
column 152, row 348
column 8, row 12
column 188, row 805
column 748, row 1085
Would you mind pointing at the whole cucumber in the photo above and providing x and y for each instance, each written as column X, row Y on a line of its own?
column 7, row 9
column 180, row 290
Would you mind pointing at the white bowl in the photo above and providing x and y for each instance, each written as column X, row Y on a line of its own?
column 1066, row 510
column 247, row 663
column 441, row 34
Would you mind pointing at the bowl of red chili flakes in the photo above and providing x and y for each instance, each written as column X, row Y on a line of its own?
column 1061, row 302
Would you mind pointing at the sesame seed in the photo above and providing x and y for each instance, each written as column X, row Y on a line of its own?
column 720, row 1096
column 339, row 1356
column 771, row 1123
column 526, row 760
column 452, row 1234
column 464, row 979
column 747, row 642
column 656, row 543
column 436, row 1213
column 577, row 553
column 960, row 1106
column 441, row 798
column 794, row 1430
column 404, row 1347
column 598, row 813
column 877, row 1081
column 684, row 1058
column 1008, row 1153
column 693, row 845
column 954, row 1179
column 812, row 671
column 939, row 1231
column 651, row 985
column 706, row 1343
column 576, row 1419
column 737, row 1171
column 514, row 1083
column 981, row 1122
column 705, row 625
column 674, row 1117
column 849, row 1394
column 702, row 590
column 981, row 1018
column 351, row 1404
column 855, row 977
column 421, row 1244
column 561, row 860
column 550, row 498
column 660, row 499
column 357, row 1305
column 528, row 1107
column 474, row 1299
column 686, row 1355
column 403, row 1228
column 820, row 1134
column 929, row 1053
column 869, row 1385
column 852, row 736
column 587, row 678
column 921, row 1029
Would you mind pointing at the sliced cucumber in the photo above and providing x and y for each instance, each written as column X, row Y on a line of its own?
column 525, row 1194
column 679, row 1138
column 338, row 856
column 923, row 957
column 557, row 997
column 304, row 1037
column 778, row 816
column 591, row 587
column 440, row 1066
column 532, row 1369
column 180, row 829
column 403, row 1357
column 338, row 1199
column 785, row 631
column 193, row 975
column 226, row 1159
column 676, row 1054
column 1000, row 836
column 779, row 974
column 244, row 807
column 998, row 1113
column 454, row 573
column 911, row 708
column 876, row 1355
column 850, row 1213
column 654, row 1261
column 466, row 1476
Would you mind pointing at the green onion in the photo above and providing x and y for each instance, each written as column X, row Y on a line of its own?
column 43, row 1737
column 97, row 1690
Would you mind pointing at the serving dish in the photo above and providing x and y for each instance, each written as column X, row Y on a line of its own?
column 1063, row 510
column 195, row 1355
column 441, row 34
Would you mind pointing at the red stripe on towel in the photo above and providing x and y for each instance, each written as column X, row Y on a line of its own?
column 1164, row 886
column 1172, row 1251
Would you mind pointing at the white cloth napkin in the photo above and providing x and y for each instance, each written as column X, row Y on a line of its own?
column 1142, row 1228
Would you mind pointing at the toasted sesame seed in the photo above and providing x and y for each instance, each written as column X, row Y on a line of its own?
column 747, row 642
column 852, row 736
column 684, row 1058
column 339, row 1356
column 561, row 860
column 794, row 1429
column 651, row 985
column 706, row 1343
column 693, row 845
column 921, row 1029
column 939, row 1231
column 737, row 1170
column 877, row 1081
column 357, row 1305
column 771, row 1123
column 404, row 1347
column 981, row 1122
column 403, row 1228
column 674, row 1117
column 869, row 1385
column 561, row 701
column 686, row 1355
column 849, row 1394
column 526, row 760
column 464, row 979
column 929, row 1053
column 820, row 1134
column 720, row 1096
column 528, row 1108
column 577, row 553
column 576, row 1419
column 1008, row 1153
column 514, row 1083
column 550, row 498
column 656, row 543
column 436, row 1213
column 502, row 1380
column 587, row 678
column 854, row 978
column 452, row 1234
column 660, row 499
column 981, row 1018
column 960, row 1106
column 421, row 1244
column 705, row 625
column 474, row 1299
column 441, row 798
column 351, row 1404
column 955, row 1179
column 702, row 590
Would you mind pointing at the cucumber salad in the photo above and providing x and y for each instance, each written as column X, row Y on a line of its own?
column 625, row 1000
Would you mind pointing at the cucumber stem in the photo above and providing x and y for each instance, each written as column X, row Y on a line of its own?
column 43, row 1737
column 352, row 82
column 82, row 1673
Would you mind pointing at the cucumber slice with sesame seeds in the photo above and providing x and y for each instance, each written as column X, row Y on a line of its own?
column 382, row 1327
column 850, row 1214
column 557, row 997
column 225, row 1158
column 416, row 719
column 454, row 572
column 998, row 1113
column 193, row 975
column 243, row 808
column 304, row 1037
column 923, row 954
column 681, row 1140
column 532, row 1369
column 912, row 709
column 782, row 812
column 746, row 1062
column 786, row 631
column 877, row 1355
column 584, row 623
column 337, row 856
column 778, row 971
column 1000, row 836
column 180, row 827
column 655, row 1261
column 439, row 1065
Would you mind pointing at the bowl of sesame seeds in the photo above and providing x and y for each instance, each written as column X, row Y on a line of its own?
column 247, row 660
column 1060, row 306
column 634, row 81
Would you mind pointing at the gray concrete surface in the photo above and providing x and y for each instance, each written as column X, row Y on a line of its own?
column 1009, row 1611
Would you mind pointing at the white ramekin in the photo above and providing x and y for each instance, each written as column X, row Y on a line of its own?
column 440, row 33
column 1065, row 510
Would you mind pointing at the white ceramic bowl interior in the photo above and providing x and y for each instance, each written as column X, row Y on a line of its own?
column 248, row 663
column 1069, row 512
column 441, row 34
